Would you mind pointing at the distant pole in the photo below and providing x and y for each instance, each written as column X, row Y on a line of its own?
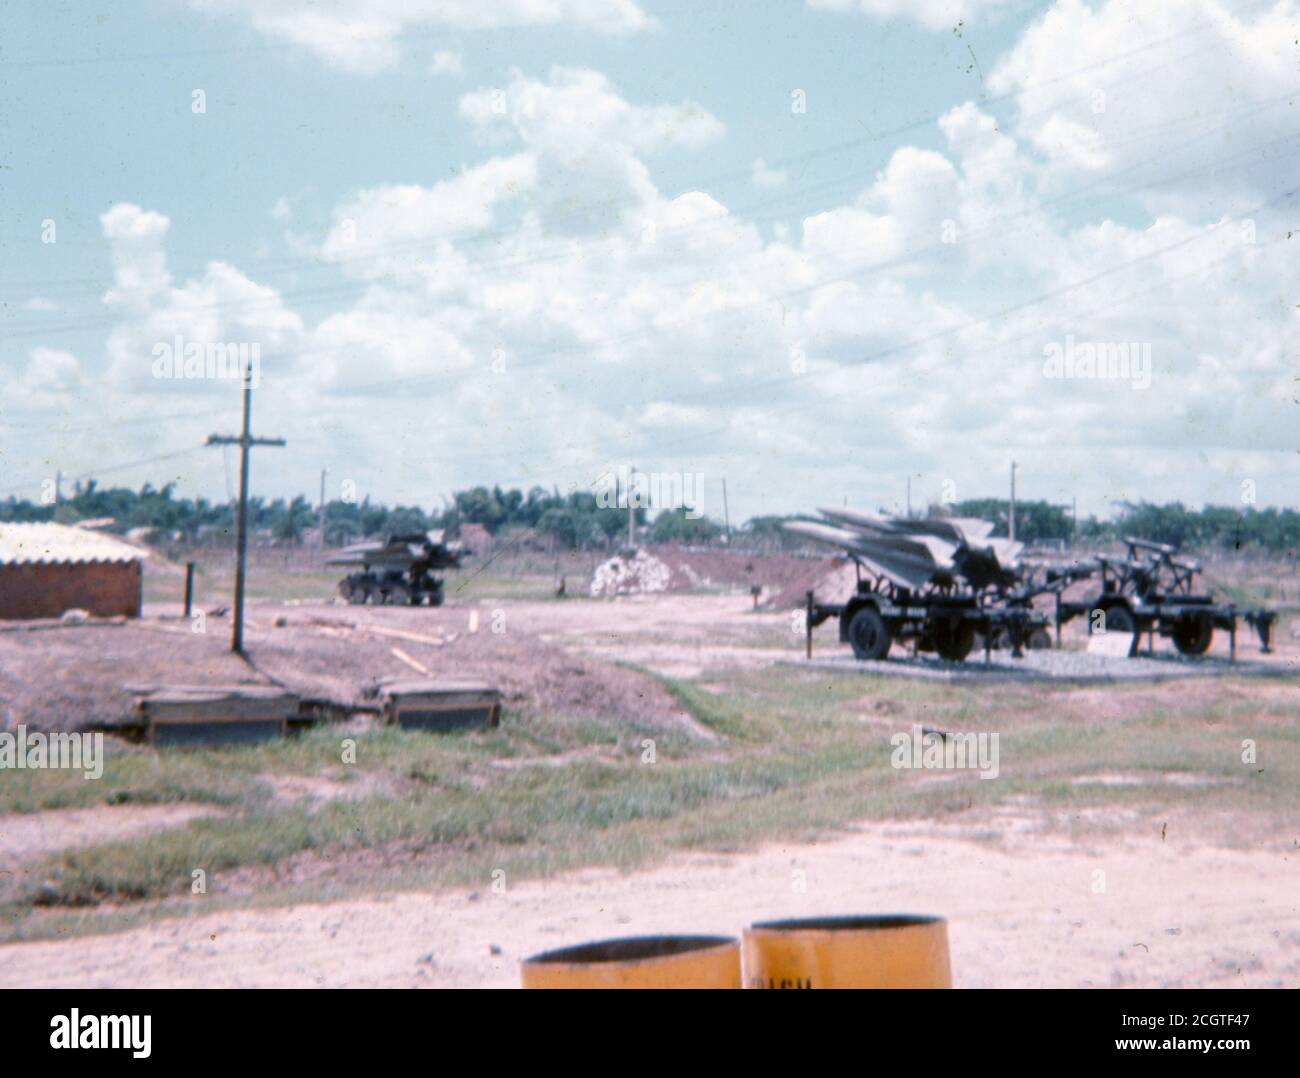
column 726, row 513
column 1074, row 517
column 323, row 472
column 1011, row 516
column 245, row 441
column 909, row 497
column 189, row 587
column 631, row 510
column 58, row 486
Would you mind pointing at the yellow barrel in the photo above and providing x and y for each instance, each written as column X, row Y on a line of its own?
column 639, row 962
column 886, row 951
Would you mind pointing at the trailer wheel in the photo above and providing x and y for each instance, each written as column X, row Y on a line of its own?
column 869, row 634
column 1192, row 636
column 1120, row 622
column 953, row 640
column 1039, row 640
column 398, row 595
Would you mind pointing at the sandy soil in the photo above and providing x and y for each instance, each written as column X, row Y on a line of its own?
column 65, row 678
column 1030, row 910
column 26, row 836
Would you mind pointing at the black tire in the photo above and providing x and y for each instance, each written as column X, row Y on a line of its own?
column 1192, row 636
column 954, row 639
column 869, row 635
column 1039, row 640
column 398, row 595
column 1119, row 620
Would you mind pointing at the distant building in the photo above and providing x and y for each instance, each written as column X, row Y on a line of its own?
column 475, row 538
column 48, row 569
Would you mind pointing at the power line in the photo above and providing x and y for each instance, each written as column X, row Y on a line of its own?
column 806, row 155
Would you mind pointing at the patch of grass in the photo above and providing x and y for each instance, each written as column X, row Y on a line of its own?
column 133, row 778
column 797, row 754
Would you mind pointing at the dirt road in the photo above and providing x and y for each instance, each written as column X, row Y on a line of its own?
column 1032, row 909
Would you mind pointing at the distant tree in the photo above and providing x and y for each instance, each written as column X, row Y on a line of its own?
column 674, row 526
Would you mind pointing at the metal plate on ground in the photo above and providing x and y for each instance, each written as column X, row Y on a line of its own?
column 197, row 716
column 214, row 734
column 439, row 706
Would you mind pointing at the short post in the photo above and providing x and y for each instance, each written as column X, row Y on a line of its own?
column 807, row 624
column 189, row 587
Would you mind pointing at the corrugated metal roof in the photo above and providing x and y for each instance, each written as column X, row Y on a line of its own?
column 56, row 543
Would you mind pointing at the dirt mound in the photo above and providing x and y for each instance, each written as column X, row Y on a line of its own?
column 784, row 578
column 74, row 678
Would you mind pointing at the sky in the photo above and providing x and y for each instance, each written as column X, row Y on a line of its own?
column 816, row 248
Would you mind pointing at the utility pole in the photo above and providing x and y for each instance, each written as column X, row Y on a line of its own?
column 631, row 508
column 1011, row 516
column 1074, row 517
column 245, row 441
column 323, row 473
column 909, row 497
column 726, row 513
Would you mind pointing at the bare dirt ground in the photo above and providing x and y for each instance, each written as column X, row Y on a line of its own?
column 77, row 676
column 1023, row 895
column 25, row 836
column 1034, row 909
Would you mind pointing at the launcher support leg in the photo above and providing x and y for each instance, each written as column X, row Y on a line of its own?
column 807, row 624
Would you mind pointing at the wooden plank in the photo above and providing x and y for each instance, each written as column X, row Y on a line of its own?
column 412, row 663
column 214, row 703
column 439, row 705
column 403, row 634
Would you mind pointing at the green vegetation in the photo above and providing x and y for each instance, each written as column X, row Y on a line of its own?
column 577, row 520
column 794, row 755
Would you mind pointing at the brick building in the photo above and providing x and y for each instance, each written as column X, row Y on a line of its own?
column 47, row 569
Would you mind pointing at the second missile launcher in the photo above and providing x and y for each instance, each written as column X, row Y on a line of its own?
column 398, row 571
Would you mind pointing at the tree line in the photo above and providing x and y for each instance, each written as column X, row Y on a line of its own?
column 575, row 520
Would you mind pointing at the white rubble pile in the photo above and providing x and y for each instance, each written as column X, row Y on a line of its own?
column 630, row 576
column 697, row 581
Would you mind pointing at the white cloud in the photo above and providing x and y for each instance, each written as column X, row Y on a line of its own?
column 588, row 141
column 766, row 176
column 932, row 14
column 364, row 36
column 1100, row 86
column 51, row 378
column 40, row 304
column 447, row 62
column 384, row 230
column 495, row 339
